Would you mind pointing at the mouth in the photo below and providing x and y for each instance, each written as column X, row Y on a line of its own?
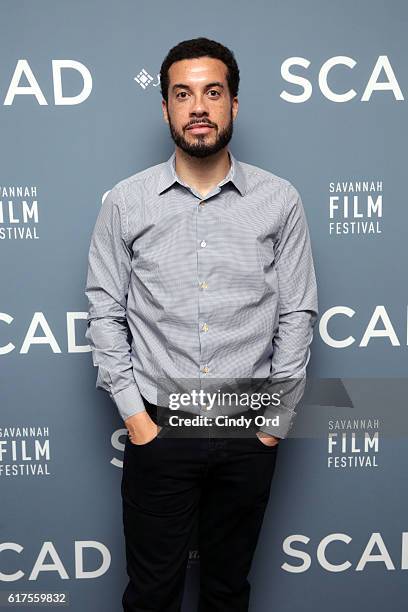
column 200, row 128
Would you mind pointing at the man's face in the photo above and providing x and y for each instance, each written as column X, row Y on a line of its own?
column 198, row 94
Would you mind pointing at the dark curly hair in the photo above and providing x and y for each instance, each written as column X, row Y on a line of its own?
column 200, row 47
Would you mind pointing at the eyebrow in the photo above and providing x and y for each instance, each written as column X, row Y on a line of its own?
column 183, row 86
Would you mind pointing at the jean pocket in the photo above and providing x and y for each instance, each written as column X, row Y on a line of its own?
column 149, row 443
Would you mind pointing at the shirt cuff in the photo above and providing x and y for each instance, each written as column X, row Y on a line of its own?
column 129, row 401
column 286, row 421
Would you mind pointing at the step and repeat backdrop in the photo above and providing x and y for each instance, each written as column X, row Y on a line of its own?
column 323, row 104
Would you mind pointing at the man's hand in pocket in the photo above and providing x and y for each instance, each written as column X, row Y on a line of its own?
column 142, row 429
column 267, row 439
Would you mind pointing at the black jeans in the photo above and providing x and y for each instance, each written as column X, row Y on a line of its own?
column 168, row 483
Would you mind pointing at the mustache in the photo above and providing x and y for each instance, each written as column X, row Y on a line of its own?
column 200, row 123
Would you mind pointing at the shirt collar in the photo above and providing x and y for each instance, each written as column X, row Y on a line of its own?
column 168, row 175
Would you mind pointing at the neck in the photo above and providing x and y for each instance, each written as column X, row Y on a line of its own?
column 202, row 173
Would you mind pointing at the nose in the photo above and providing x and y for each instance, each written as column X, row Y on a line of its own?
column 199, row 107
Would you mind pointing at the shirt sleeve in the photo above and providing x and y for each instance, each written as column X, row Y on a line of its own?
column 298, row 312
column 109, row 270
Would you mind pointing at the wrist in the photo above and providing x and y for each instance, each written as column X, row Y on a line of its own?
column 263, row 434
column 140, row 422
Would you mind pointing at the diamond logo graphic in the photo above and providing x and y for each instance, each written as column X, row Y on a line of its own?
column 143, row 78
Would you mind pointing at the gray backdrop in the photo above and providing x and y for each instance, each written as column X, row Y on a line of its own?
column 333, row 536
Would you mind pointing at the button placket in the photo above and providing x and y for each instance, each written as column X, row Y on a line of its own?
column 202, row 324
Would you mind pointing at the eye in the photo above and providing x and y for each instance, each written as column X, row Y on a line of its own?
column 214, row 91
column 181, row 92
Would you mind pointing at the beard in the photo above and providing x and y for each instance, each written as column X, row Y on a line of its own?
column 199, row 147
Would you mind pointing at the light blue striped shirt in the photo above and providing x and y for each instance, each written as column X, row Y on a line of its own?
column 188, row 287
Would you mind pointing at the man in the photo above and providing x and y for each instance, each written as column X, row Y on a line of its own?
column 199, row 267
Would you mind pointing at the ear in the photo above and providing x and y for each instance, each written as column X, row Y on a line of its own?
column 164, row 109
column 235, row 106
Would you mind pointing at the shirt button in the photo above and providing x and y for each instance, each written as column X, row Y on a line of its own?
column 205, row 369
column 204, row 285
column 202, row 204
column 203, row 243
column 205, row 327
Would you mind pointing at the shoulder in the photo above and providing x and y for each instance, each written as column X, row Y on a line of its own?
column 278, row 189
column 256, row 174
column 143, row 179
column 259, row 178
